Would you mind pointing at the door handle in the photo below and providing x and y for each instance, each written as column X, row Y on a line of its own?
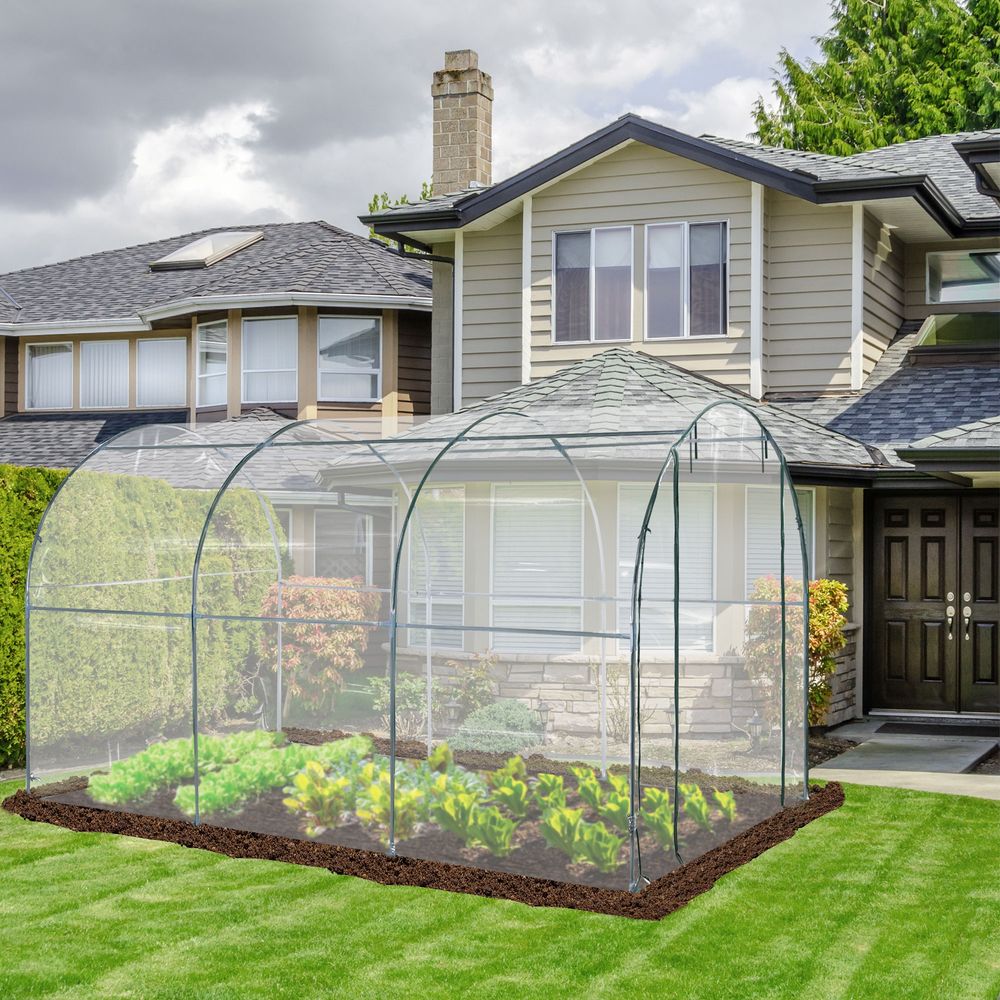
column 967, row 615
column 951, row 621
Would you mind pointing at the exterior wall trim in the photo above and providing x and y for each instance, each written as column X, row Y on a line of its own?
column 458, row 292
column 857, row 294
column 526, row 247
column 756, row 289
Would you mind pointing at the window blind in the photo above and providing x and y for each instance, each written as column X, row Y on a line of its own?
column 49, row 380
column 537, row 565
column 103, row 373
column 763, row 542
column 270, row 365
column 437, row 565
column 161, row 372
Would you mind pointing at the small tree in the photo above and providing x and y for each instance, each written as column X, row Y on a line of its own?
column 381, row 201
column 314, row 657
column 762, row 650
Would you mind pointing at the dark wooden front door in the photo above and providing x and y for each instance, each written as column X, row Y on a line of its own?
column 935, row 639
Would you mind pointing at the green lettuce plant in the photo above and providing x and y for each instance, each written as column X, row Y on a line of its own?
column 493, row 830
column 597, row 845
column 726, row 802
column 588, row 785
column 373, row 808
column 320, row 799
column 696, row 806
column 559, row 828
column 514, row 796
column 456, row 814
column 617, row 805
column 513, row 768
column 549, row 791
column 441, row 758
column 658, row 816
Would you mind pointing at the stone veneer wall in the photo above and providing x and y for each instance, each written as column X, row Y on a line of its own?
column 843, row 703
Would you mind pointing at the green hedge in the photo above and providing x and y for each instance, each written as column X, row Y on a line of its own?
column 95, row 677
column 24, row 494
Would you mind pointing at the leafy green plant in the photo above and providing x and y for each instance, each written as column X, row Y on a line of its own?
column 726, row 802
column 319, row 798
column 515, row 796
column 373, row 808
column 598, row 845
column 514, row 768
column 505, row 726
column 559, row 828
column 549, row 791
column 617, row 804
column 441, row 758
column 588, row 785
column 473, row 685
column 411, row 703
column 456, row 814
column 493, row 830
column 658, row 816
column 696, row 806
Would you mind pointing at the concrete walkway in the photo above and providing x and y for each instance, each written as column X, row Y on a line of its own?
column 926, row 763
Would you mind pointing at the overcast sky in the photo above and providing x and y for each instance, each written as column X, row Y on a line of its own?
column 122, row 122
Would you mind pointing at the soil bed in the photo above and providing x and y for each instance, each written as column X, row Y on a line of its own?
column 437, row 859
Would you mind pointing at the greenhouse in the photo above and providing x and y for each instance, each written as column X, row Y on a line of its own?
column 509, row 639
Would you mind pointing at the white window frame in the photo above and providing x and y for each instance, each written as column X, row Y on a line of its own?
column 810, row 540
column 512, row 600
column 691, row 650
column 320, row 371
column 27, row 374
column 128, row 375
column 428, row 628
column 200, row 376
column 954, row 253
column 369, row 543
column 244, row 371
column 162, row 340
column 593, row 284
column 686, row 334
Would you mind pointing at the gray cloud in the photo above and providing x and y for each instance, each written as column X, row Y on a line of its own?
column 340, row 95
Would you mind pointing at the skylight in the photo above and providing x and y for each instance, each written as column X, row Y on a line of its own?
column 206, row 250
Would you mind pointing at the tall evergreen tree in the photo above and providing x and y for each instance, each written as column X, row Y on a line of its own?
column 888, row 71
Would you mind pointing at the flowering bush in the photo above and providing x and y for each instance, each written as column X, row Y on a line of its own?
column 316, row 657
column 762, row 651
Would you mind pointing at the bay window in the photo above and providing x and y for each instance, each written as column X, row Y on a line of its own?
column 537, row 566
column 213, row 354
column 49, row 377
column 686, row 280
column 270, row 359
column 103, row 374
column 161, row 372
column 350, row 358
column 593, row 285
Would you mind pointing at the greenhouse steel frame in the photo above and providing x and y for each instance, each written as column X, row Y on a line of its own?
column 723, row 442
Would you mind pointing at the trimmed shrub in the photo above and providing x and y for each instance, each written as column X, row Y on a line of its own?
column 24, row 495
column 506, row 726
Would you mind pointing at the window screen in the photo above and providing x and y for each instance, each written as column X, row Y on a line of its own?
column 104, row 374
column 707, row 278
column 49, row 382
column 537, row 565
column 572, row 287
column 350, row 358
column 270, row 366
column 161, row 372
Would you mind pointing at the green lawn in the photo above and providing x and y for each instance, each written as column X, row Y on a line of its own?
column 896, row 895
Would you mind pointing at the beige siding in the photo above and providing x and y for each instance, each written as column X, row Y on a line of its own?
column 443, row 331
column 883, row 290
column 491, row 311
column 915, row 278
column 633, row 186
column 808, row 320
column 839, row 541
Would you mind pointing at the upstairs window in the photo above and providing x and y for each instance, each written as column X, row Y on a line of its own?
column 213, row 355
column 686, row 280
column 270, row 360
column 49, row 378
column 593, row 285
column 963, row 276
column 350, row 358
column 103, row 374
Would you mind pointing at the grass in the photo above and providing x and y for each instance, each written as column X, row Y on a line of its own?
column 897, row 894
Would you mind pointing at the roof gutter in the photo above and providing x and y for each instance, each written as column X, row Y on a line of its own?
column 143, row 321
column 977, row 153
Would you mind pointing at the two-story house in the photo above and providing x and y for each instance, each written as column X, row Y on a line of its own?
column 853, row 301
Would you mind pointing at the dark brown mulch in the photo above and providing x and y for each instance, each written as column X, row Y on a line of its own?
column 824, row 748
column 663, row 896
column 988, row 765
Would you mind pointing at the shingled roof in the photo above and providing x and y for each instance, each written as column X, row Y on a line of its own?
column 903, row 406
column 621, row 390
column 292, row 258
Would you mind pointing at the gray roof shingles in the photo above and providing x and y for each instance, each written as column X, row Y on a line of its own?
column 903, row 405
column 292, row 257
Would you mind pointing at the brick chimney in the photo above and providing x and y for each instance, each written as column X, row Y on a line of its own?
column 463, row 124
